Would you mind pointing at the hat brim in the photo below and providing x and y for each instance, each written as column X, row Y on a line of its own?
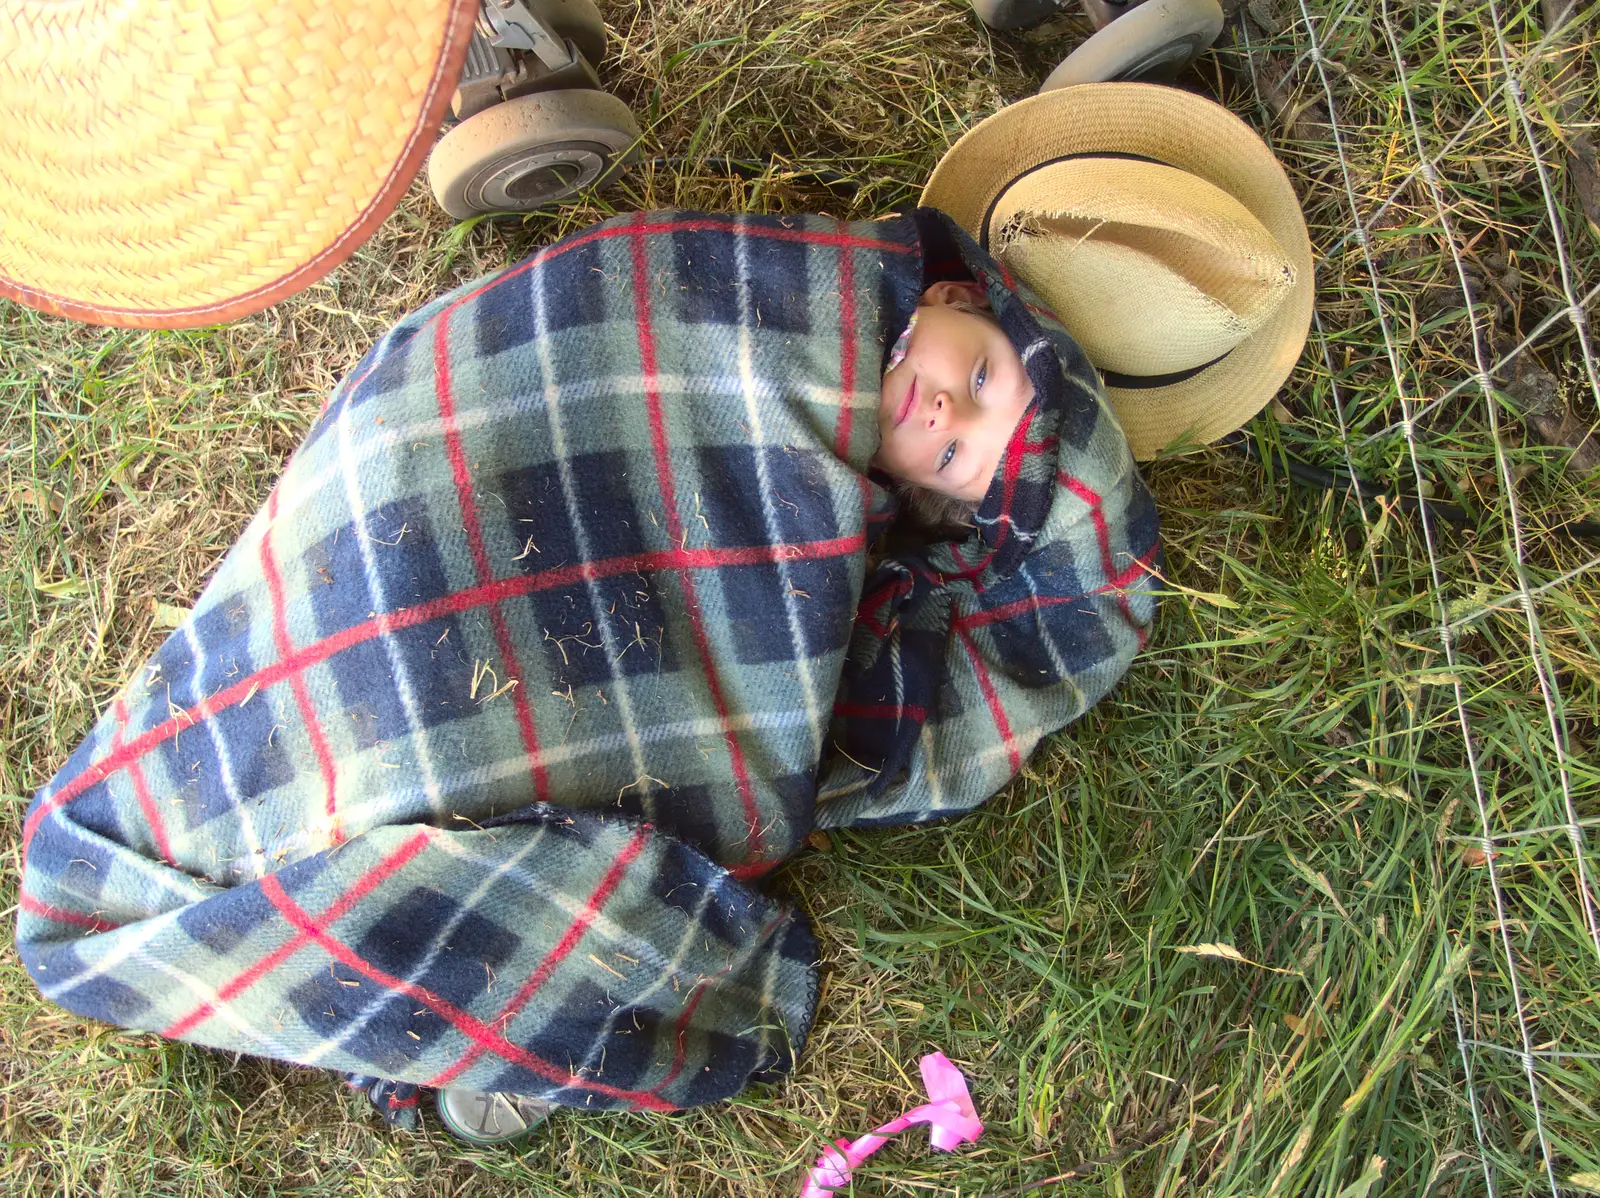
column 186, row 163
column 1177, row 129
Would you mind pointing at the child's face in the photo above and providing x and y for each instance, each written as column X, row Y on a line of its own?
column 949, row 407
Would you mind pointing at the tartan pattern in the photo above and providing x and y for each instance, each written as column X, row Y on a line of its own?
column 463, row 767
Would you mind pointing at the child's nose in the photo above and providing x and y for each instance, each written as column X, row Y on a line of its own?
column 937, row 413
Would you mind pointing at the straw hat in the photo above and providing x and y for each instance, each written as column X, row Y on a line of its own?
column 1161, row 231
column 166, row 163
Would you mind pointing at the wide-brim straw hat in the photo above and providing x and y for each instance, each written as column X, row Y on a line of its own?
column 1162, row 232
column 170, row 163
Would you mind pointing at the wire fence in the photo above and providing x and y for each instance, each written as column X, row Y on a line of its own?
column 1467, row 299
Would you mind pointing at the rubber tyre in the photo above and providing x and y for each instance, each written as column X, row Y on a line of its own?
column 580, row 22
column 1156, row 36
column 507, row 1118
column 1016, row 14
column 531, row 152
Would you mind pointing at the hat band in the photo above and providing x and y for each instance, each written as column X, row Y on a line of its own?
column 1127, row 382
column 1149, row 382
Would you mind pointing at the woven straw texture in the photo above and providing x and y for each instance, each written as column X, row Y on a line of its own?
column 1116, row 240
column 1183, row 131
column 168, row 163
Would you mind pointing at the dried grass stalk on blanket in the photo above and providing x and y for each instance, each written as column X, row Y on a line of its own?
column 463, row 768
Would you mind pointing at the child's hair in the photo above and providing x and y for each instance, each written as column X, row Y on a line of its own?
column 933, row 511
column 924, row 517
column 973, row 309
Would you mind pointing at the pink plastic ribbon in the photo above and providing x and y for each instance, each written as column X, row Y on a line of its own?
column 949, row 1116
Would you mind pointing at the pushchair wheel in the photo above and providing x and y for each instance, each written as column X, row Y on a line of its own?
column 1016, row 14
column 1155, row 39
column 531, row 152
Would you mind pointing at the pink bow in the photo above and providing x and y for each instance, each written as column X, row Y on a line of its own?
column 949, row 1114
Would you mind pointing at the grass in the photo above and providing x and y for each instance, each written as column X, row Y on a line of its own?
column 1284, row 771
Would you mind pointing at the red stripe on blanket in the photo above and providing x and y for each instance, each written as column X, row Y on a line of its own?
column 407, row 617
column 569, row 941
column 1016, row 451
column 302, row 697
column 1011, row 471
column 34, row 906
column 141, row 792
column 1097, row 513
column 642, row 226
column 882, row 711
column 996, row 709
column 681, row 1028
column 345, row 390
column 464, row 1022
column 364, row 885
column 445, row 399
column 847, row 363
column 1034, row 603
column 691, row 601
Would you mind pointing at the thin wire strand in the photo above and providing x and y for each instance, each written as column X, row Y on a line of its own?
column 1547, row 1054
column 1430, row 176
column 1510, row 356
column 1532, row 59
column 1521, row 832
column 1552, row 210
column 1362, row 240
column 1472, row 1095
column 1517, row 596
column 1327, row 362
column 1549, row 687
column 1538, row 650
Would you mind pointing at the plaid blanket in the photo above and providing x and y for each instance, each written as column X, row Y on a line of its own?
column 465, row 764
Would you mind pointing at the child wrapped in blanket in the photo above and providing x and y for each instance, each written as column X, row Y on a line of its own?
column 557, row 634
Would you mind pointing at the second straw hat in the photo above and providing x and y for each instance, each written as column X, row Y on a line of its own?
column 169, row 163
column 1163, row 233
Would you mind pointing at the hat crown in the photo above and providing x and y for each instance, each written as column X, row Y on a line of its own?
column 1152, row 269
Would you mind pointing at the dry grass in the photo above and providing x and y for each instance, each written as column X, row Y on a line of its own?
column 1283, row 771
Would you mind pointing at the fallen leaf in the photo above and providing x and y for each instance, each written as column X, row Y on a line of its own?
column 1474, row 857
column 1307, row 1025
column 167, row 615
column 38, row 496
column 65, row 588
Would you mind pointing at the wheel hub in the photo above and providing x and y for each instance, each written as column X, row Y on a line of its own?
column 543, row 176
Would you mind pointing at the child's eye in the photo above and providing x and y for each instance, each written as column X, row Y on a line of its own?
column 949, row 453
column 983, row 373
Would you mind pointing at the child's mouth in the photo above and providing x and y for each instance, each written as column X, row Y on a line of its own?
column 905, row 404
